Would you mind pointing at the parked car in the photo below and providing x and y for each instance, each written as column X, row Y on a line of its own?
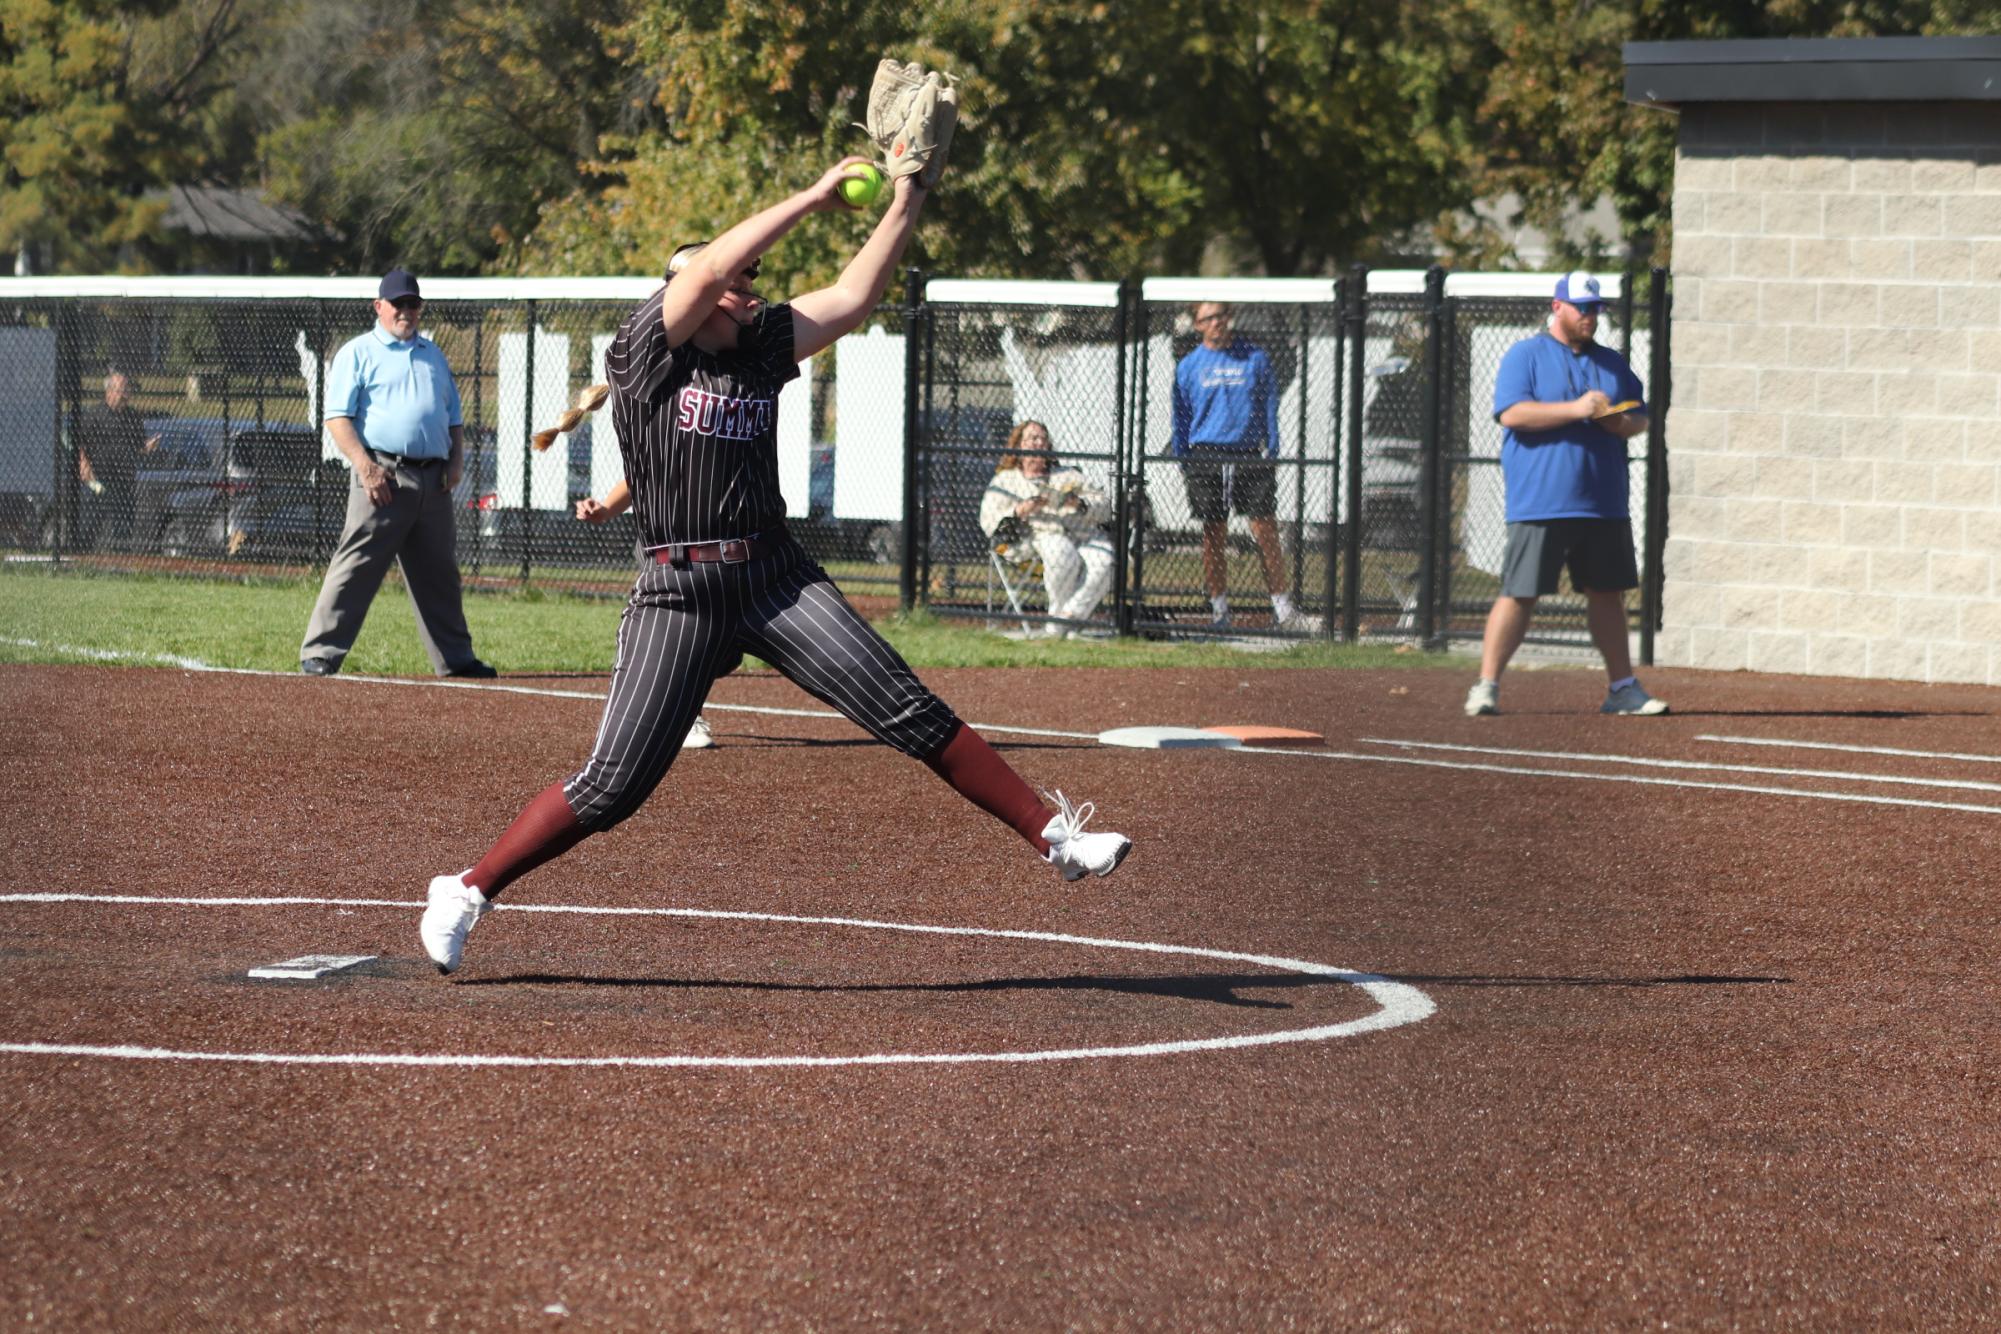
column 961, row 447
column 215, row 487
column 298, row 500
column 493, row 534
column 188, row 496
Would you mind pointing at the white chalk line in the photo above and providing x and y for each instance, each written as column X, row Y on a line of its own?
column 1853, row 750
column 1397, row 1003
column 1318, row 754
column 1599, row 776
column 114, row 655
column 1650, row 762
column 488, row 687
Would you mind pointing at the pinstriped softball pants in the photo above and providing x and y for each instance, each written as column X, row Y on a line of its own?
column 687, row 625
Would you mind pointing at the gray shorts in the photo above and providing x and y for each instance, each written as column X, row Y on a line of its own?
column 1599, row 553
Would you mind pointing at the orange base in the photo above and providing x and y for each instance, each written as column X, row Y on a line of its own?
column 1270, row 736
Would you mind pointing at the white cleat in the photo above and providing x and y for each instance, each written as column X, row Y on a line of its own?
column 454, row 908
column 1483, row 699
column 699, row 736
column 1078, row 854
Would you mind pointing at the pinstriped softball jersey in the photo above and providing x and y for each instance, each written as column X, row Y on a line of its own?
column 697, row 430
column 704, row 467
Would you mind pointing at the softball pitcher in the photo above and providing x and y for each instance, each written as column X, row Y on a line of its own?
column 695, row 375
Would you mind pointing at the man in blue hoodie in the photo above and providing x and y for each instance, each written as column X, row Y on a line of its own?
column 1226, row 436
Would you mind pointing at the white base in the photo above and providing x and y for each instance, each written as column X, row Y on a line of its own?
column 1168, row 738
column 309, row 966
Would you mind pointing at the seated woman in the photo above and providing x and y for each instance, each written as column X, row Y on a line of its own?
column 1065, row 515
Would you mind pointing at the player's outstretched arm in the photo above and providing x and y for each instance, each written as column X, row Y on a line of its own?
column 819, row 318
column 697, row 288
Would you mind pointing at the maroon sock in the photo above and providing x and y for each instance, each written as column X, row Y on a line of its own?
column 546, row 829
column 982, row 777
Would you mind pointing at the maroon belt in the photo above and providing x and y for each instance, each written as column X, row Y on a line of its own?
column 730, row 551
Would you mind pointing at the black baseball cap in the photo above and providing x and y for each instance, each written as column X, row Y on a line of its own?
column 397, row 284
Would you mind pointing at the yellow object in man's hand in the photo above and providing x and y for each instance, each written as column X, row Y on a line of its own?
column 1617, row 408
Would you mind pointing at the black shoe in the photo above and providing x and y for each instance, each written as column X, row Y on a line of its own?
column 318, row 667
column 474, row 670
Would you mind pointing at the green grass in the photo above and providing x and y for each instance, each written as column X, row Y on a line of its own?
column 74, row 616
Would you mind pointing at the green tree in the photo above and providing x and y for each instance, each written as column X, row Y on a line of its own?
column 1096, row 140
column 101, row 107
column 1560, row 130
column 432, row 135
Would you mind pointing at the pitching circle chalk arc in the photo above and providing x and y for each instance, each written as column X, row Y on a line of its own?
column 1397, row 1003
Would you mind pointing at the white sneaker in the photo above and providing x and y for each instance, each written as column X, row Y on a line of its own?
column 1633, row 701
column 1483, row 698
column 1076, row 853
column 454, row 908
column 1301, row 623
column 699, row 736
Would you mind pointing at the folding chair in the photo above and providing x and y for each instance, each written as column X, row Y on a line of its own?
column 1014, row 564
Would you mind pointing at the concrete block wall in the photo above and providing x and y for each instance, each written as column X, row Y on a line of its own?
column 1835, row 432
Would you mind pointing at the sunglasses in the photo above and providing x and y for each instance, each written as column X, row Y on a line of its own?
column 408, row 303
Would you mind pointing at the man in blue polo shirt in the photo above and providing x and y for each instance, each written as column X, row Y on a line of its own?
column 1568, row 405
column 393, row 411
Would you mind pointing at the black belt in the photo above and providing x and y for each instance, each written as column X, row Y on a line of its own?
column 393, row 460
column 729, row 551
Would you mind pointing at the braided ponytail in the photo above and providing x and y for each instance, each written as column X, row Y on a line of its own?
column 589, row 400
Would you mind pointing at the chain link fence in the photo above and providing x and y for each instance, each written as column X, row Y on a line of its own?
column 1024, row 536
column 1238, row 456
column 1378, row 512
column 179, row 435
column 172, row 427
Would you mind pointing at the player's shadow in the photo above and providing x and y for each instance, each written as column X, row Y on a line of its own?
column 748, row 741
column 1890, row 715
column 1539, row 980
column 1208, row 988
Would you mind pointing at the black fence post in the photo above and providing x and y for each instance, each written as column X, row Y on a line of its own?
column 1451, row 461
column 528, row 454
column 906, row 583
column 1432, row 458
column 1134, row 482
column 63, row 488
column 927, row 495
column 1660, row 388
column 1626, row 304
column 473, row 464
column 1122, row 437
column 321, row 547
column 1355, row 318
column 1330, row 565
column 1299, row 470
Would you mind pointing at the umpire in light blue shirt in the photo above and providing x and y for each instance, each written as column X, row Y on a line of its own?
column 393, row 411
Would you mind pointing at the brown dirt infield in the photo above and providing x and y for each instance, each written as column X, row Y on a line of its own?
column 1700, row 1056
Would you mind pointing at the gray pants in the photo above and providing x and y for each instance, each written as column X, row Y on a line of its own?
column 415, row 530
